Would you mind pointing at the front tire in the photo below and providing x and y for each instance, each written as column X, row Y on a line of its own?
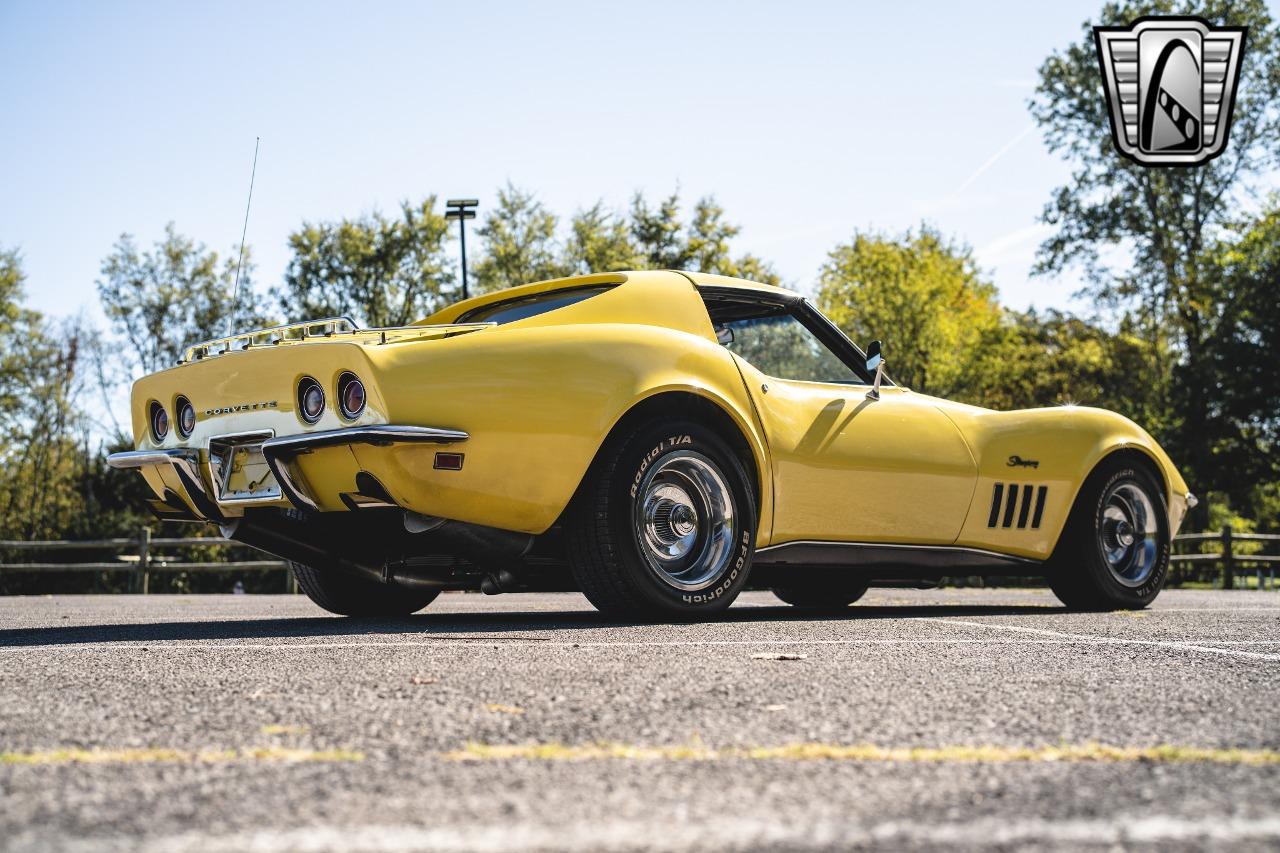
column 664, row 525
column 349, row 595
column 1114, row 549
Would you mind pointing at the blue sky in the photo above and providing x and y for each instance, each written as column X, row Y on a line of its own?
column 806, row 120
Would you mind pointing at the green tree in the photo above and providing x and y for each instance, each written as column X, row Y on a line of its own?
column 1144, row 238
column 40, row 371
column 1032, row 359
column 599, row 241
column 17, row 324
column 921, row 294
column 163, row 300
column 658, row 233
column 377, row 270
column 1241, row 361
column 662, row 241
column 56, row 483
column 518, row 243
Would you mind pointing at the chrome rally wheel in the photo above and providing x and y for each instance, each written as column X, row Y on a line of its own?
column 683, row 520
column 1127, row 534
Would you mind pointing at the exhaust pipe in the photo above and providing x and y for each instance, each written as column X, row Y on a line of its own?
column 475, row 542
column 499, row 582
column 296, row 540
column 323, row 546
column 290, row 539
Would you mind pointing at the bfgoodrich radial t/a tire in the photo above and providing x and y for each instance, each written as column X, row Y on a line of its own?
column 1114, row 551
column 664, row 525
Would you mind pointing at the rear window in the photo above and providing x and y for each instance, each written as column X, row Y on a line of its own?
column 530, row 306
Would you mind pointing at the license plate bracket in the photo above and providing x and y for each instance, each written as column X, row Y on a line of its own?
column 239, row 471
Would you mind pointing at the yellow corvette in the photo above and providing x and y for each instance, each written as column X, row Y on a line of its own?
column 657, row 440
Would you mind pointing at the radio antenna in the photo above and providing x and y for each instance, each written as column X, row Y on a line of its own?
column 235, row 291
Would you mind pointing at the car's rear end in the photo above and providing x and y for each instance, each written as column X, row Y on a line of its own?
column 279, row 418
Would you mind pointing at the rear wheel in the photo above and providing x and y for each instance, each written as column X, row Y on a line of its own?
column 825, row 598
column 664, row 526
column 349, row 595
column 1114, row 550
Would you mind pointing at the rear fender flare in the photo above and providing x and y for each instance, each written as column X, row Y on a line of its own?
column 737, row 426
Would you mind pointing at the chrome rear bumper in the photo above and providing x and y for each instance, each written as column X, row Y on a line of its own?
column 143, row 458
column 380, row 434
column 184, row 462
column 279, row 453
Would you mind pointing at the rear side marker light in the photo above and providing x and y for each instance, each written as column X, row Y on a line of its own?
column 449, row 461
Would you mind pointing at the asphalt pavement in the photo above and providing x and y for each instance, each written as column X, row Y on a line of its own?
column 916, row 719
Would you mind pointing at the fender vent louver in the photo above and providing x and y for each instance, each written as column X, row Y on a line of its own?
column 1019, row 501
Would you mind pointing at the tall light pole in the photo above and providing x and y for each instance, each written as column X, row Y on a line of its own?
column 461, row 210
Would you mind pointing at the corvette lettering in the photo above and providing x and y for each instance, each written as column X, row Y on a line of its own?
column 240, row 407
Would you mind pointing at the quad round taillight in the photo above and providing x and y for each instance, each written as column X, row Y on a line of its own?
column 351, row 395
column 186, row 416
column 310, row 400
column 159, row 421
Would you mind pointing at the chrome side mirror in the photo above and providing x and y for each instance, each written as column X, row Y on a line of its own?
column 724, row 335
column 875, row 363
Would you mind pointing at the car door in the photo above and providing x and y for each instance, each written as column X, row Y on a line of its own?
column 848, row 468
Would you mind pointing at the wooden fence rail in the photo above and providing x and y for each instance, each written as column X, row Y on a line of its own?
column 1229, row 558
column 143, row 561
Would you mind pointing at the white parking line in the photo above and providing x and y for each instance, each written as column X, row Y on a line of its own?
column 1190, row 646
column 1056, row 639
column 715, row 832
column 1211, row 610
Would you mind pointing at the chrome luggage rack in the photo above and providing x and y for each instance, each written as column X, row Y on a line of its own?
column 328, row 328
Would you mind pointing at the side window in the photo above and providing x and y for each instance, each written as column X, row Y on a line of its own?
column 782, row 347
column 529, row 306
